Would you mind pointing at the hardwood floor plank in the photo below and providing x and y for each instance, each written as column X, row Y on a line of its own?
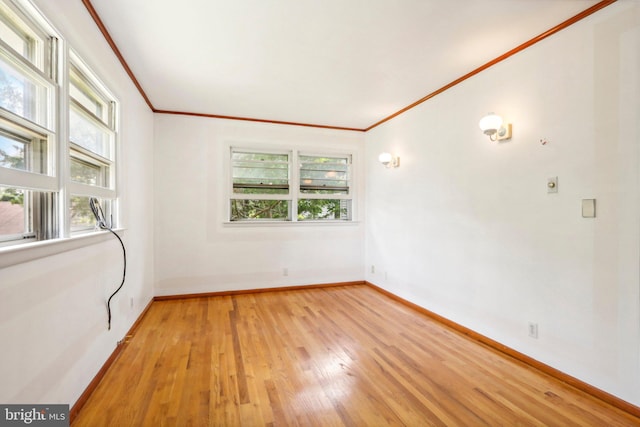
column 340, row 356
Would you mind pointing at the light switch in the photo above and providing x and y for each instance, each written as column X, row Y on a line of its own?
column 588, row 208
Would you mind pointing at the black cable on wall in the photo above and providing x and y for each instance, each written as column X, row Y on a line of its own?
column 97, row 212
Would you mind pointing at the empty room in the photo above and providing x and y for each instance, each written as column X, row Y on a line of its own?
column 336, row 213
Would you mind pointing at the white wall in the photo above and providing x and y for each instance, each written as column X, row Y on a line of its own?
column 465, row 227
column 53, row 320
column 196, row 252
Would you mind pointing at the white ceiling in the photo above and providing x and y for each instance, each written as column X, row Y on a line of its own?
column 344, row 63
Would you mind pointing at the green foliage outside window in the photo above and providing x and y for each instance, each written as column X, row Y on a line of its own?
column 12, row 195
column 267, row 174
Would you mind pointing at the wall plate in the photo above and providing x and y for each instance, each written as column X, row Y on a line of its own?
column 588, row 208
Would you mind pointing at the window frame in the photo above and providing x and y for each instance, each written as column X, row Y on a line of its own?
column 294, row 194
column 38, row 180
column 106, row 190
column 346, row 197
column 36, row 56
column 286, row 197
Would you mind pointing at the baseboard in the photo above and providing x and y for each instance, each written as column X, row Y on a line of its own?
column 256, row 291
column 546, row 369
column 75, row 409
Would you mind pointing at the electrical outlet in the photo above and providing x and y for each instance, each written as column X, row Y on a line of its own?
column 533, row 330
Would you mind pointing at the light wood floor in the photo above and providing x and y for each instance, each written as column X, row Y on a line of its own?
column 344, row 356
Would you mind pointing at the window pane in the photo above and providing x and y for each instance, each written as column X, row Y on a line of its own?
column 80, row 215
column 14, row 38
column 28, row 42
column 12, row 212
column 12, row 153
column 21, row 153
column 90, row 103
column 89, row 135
column 86, row 173
column 325, row 209
column 23, row 95
column 84, row 93
column 259, row 209
column 324, row 175
column 260, row 173
column 260, row 157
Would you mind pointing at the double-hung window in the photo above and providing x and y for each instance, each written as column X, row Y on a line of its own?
column 290, row 185
column 92, row 137
column 324, row 190
column 28, row 131
column 260, row 185
column 57, row 143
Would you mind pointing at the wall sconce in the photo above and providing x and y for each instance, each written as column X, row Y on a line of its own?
column 492, row 125
column 388, row 160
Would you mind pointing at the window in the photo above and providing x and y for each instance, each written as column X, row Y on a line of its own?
column 35, row 139
column 260, row 186
column 28, row 185
column 265, row 186
column 324, row 188
column 92, row 137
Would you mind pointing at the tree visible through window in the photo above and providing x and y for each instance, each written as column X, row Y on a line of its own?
column 262, row 187
column 323, row 178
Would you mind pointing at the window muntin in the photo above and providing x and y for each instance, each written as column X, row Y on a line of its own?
column 261, row 186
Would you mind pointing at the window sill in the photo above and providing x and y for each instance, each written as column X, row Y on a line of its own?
column 290, row 223
column 11, row 255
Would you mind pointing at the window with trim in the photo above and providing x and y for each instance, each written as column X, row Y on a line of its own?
column 34, row 137
column 92, row 137
column 28, row 132
column 266, row 187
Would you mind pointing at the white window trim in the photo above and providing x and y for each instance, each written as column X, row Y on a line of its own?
column 20, row 253
column 294, row 187
column 58, row 178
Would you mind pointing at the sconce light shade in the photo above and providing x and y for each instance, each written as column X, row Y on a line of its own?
column 388, row 160
column 490, row 123
column 492, row 126
column 385, row 158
